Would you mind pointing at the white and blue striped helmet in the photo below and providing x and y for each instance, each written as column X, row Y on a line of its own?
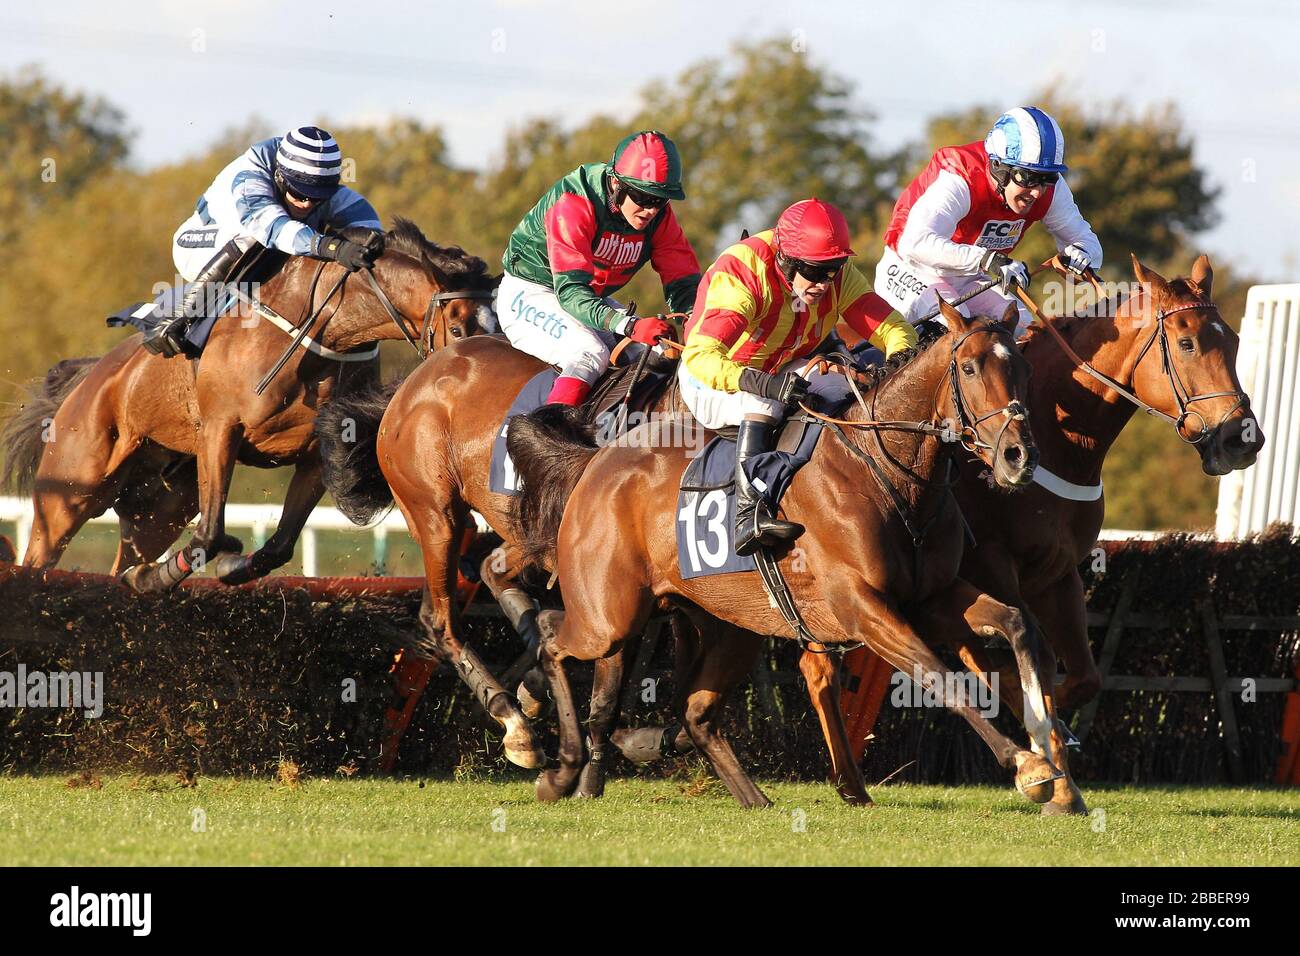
column 1029, row 138
column 310, row 162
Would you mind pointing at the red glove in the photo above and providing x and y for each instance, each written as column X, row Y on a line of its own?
column 648, row 329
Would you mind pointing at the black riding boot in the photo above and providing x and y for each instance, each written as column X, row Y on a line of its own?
column 167, row 338
column 755, row 526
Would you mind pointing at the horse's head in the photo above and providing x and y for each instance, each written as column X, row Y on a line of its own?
column 441, row 293
column 1183, row 363
column 985, row 391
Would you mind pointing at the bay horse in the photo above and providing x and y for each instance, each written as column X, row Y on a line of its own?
column 425, row 442
column 157, row 439
column 603, row 521
column 1034, row 564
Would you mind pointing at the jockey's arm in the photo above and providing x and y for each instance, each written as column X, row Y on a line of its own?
column 1068, row 227
column 728, row 308
column 570, row 232
column 933, row 219
column 871, row 316
column 263, row 218
column 673, row 258
column 347, row 207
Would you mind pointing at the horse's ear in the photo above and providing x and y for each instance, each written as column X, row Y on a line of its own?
column 1010, row 317
column 1203, row 275
column 439, row 276
column 1150, row 278
column 956, row 321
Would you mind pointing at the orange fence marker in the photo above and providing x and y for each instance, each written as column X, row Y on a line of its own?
column 865, row 685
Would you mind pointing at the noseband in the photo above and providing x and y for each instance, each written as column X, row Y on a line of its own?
column 424, row 344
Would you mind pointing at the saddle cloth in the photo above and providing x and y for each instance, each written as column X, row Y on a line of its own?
column 257, row 264
column 706, row 497
column 606, row 394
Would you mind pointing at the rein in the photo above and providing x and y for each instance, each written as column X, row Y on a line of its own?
column 1160, row 333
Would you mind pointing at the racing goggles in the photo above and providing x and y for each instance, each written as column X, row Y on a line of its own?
column 818, row 272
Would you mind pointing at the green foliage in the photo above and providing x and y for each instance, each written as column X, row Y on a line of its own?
column 51, row 144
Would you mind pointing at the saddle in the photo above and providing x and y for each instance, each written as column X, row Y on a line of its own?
column 258, row 264
column 635, row 374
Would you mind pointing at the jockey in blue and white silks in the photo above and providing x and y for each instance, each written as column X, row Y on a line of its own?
column 283, row 193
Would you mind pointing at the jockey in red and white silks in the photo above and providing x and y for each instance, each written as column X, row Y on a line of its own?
column 961, row 218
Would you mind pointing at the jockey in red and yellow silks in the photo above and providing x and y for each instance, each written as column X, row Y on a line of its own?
column 767, row 303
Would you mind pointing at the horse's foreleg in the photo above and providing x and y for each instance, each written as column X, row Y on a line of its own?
column 964, row 608
column 305, row 490
column 821, row 673
column 559, row 782
column 497, row 572
column 870, row 617
column 218, row 448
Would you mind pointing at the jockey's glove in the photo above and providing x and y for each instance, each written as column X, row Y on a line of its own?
column 786, row 388
column 350, row 255
column 648, row 330
column 1008, row 272
column 1075, row 259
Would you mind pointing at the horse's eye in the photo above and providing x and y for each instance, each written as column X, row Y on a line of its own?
column 457, row 333
column 1187, row 345
column 967, row 368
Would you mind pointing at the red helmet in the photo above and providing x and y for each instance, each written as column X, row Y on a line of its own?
column 813, row 231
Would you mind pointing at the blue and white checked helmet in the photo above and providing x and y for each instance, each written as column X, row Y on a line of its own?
column 310, row 162
column 1029, row 138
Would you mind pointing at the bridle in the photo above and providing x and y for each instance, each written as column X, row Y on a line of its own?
column 1160, row 334
column 433, row 312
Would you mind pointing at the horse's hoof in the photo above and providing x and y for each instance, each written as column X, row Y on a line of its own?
column 530, row 758
column 1071, row 809
column 227, row 544
column 855, row 799
column 591, row 782
column 141, row 578
column 521, row 745
column 641, row 745
column 550, row 788
column 533, row 694
column 233, row 569
column 1035, row 776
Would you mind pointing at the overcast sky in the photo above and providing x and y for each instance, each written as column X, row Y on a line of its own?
column 477, row 68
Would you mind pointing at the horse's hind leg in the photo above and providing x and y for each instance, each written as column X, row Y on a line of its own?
column 437, row 526
column 149, row 525
column 821, row 673
column 218, row 447
column 305, row 490
column 499, row 572
column 605, row 691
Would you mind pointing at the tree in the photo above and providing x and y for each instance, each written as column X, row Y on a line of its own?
column 52, row 142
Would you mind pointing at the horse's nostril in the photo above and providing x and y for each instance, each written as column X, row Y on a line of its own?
column 1014, row 454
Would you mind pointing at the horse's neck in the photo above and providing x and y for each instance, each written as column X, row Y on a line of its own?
column 1075, row 418
column 354, row 316
column 908, row 396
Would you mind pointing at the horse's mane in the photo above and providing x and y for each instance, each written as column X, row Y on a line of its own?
column 1179, row 289
column 467, row 272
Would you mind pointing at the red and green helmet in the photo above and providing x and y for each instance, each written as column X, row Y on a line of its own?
column 649, row 161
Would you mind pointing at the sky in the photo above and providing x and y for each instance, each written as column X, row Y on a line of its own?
column 184, row 73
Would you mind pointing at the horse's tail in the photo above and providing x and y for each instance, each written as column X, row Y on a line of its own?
column 550, row 449
column 24, row 431
column 346, row 428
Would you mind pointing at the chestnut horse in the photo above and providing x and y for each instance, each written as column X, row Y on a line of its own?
column 1034, row 565
column 126, row 429
column 604, row 521
column 426, row 443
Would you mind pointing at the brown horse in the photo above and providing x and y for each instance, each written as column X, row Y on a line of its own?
column 1033, row 564
column 426, row 443
column 604, row 521
column 157, row 439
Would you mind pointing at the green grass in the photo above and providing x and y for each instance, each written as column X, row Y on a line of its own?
column 129, row 820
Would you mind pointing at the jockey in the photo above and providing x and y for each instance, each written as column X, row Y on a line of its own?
column 970, row 207
column 582, row 242
column 283, row 192
column 769, row 302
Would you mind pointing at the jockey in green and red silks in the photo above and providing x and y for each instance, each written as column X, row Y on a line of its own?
column 581, row 243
